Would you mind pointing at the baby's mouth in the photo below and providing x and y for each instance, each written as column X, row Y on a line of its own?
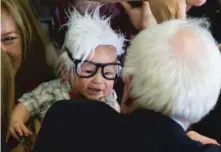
column 94, row 91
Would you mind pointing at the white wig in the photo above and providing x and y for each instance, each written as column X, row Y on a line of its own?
column 85, row 33
column 179, row 77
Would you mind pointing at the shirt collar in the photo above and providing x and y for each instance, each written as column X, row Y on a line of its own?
column 180, row 123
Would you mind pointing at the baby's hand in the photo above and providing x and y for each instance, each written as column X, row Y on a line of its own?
column 18, row 129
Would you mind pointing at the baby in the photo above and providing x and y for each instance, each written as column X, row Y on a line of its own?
column 88, row 68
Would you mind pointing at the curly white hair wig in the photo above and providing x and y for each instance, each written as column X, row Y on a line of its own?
column 175, row 69
column 85, row 33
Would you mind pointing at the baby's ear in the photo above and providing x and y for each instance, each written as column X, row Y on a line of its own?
column 65, row 75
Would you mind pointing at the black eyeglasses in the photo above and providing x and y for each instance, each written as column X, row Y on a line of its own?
column 87, row 69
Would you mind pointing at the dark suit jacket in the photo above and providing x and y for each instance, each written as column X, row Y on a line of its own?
column 83, row 125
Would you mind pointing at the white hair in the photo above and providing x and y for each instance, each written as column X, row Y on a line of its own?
column 181, row 80
column 85, row 33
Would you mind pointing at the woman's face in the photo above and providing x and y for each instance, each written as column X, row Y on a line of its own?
column 11, row 40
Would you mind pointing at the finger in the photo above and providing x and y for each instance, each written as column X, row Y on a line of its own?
column 181, row 11
column 25, row 130
column 14, row 134
column 147, row 17
column 126, row 6
column 210, row 141
column 146, row 7
column 215, row 142
column 18, row 130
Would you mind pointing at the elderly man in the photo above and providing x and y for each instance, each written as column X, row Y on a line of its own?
column 172, row 80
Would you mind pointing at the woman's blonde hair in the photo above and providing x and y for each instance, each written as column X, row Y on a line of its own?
column 36, row 47
column 7, row 91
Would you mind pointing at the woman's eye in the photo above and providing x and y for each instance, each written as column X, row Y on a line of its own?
column 8, row 40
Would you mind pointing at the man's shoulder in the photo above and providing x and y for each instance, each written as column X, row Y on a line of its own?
column 156, row 132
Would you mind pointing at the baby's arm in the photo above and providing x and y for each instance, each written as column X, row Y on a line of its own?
column 30, row 104
column 20, row 115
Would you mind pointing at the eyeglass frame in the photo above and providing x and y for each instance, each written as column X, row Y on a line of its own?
column 98, row 65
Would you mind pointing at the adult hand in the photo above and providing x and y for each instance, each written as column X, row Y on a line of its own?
column 220, row 47
column 18, row 129
column 168, row 9
column 203, row 139
column 141, row 18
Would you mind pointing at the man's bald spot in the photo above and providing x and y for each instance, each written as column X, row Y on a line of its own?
column 187, row 43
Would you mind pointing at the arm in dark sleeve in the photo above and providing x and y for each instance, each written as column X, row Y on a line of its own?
column 49, row 133
column 70, row 125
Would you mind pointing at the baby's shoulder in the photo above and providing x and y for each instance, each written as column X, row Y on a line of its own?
column 56, row 84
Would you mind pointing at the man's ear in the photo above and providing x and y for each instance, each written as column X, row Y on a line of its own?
column 127, row 105
column 127, row 79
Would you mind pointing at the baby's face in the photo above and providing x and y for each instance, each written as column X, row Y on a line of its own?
column 97, row 86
